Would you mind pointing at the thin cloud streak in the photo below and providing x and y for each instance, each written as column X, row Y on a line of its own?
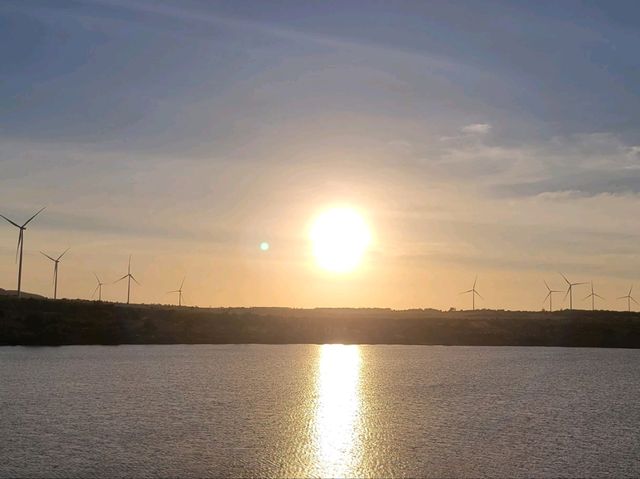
column 225, row 21
column 477, row 128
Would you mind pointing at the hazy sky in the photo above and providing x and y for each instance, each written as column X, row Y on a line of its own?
column 490, row 138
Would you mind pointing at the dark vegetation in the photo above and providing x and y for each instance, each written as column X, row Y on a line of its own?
column 33, row 321
column 9, row 292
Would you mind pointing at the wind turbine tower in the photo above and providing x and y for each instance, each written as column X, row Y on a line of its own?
column 20, row 246
column 55, row 271
column 473, row 292
column 629, row 298
column 129, row 277
column 550, row 295
column 179, row 291
column 570, row 290
column 593, row 297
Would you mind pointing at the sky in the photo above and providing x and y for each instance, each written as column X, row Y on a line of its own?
column 497, row 139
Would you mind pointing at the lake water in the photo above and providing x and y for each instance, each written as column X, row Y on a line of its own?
column 304, row 410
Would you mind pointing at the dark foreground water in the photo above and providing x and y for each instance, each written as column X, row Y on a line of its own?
column 318, row 411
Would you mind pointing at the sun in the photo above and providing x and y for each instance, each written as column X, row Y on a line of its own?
column 340, row 237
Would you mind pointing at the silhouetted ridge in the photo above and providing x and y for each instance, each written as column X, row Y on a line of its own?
column 47, row 322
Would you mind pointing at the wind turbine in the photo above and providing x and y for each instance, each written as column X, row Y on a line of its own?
column 55, row 271
column 629, row 298
column 550, row 296
column 593, row 297
column 179, row 291
column 473, row 294
column 98, row 288
column 129, row 277
column 570, row 290
column 20, row 246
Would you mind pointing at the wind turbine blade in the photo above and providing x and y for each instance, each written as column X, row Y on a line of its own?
column 63, row 253
column 95, row 291
column 546, row 297
column 598, row 296
column 169, row 292
column 14, row 224
column 129, row 270
column 475, row 281
column 465, row 292
column 27, row 222
column 117, row 280
column 478, row 294
column 545, row 283
column 135, row 280
column 622, row 297
column 578, row 284
column 45, row 254
column 587, row 297
column 97, row 279
column 566, row 294
column 565, row 278
column 633, row 299
column 630, row 289
column 182, row 284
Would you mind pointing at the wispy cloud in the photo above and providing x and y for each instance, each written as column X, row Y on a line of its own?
column 476, row 129
column 212, row 18
column 582, row 164
column 472, row 131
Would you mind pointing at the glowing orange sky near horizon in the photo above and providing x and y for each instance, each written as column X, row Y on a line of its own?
column 205, row 139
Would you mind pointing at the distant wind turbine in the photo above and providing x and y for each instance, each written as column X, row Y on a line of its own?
column 550, row 295
column 629, row 298
column 55, row 271
column 98, row 288
column 20, row 246
column 129, row 277
column 179, row 291
column 570, row 290
column 473, row 292
column 593, row 297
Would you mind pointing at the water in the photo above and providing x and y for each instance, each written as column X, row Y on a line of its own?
column 331, row 410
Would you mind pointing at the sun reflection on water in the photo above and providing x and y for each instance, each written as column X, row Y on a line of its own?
column 338, row 411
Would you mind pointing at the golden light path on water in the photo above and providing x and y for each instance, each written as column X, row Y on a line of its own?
column 338, row 411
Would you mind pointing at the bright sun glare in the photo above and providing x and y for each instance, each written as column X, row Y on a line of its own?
column 340, row 237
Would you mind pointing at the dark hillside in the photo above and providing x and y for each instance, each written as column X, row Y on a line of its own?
column 45, row 322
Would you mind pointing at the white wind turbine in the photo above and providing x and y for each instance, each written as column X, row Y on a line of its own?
column 550, row 296
column 129, row 277
column 473, row 292
column 570, row 290
column 20, row 246
column 629, row 298
column 98, row 288
column 593, row 295
column 55, row 271
column 179, row 291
